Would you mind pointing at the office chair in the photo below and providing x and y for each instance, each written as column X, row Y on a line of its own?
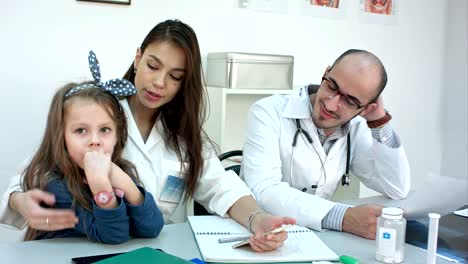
column 233, row 153
column 198, row 209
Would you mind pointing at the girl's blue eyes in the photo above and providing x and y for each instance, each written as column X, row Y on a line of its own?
column 82, row 130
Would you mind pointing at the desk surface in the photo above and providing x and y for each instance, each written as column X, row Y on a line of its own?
column 178, row 240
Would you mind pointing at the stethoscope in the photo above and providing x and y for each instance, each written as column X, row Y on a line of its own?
column 345, row 179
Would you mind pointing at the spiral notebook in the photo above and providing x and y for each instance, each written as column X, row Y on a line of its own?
column 302, row 244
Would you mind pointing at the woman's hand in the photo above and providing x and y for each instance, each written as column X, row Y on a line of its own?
column 38, row 217
column 263, row 223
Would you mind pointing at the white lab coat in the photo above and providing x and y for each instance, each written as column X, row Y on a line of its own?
column 217, row 189
column 267, row 160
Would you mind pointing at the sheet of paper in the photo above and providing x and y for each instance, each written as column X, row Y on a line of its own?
column 436, row 194
column 463, row 212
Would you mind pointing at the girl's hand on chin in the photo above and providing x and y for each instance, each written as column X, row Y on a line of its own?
column 97, row 167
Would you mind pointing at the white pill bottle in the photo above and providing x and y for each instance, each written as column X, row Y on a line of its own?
column 390, row 236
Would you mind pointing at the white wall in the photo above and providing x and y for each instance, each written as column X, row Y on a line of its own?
column 455, row 96
column 44, row 44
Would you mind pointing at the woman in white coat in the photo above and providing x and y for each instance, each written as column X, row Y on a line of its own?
column 166, row 143
column 298, row 180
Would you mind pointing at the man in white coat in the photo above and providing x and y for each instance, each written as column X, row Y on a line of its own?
column 297, row 146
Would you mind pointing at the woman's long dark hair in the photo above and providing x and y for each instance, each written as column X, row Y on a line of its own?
column 52, row 156
column 183, row 116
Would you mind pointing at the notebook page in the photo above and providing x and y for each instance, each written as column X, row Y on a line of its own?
column 302, row 244
column 216, row 225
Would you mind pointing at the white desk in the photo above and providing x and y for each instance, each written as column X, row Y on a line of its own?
column 178, row 240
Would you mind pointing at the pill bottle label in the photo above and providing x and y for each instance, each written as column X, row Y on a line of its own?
column 386, row 242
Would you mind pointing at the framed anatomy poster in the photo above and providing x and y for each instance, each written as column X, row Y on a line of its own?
column 379, row 11
column 323, row 8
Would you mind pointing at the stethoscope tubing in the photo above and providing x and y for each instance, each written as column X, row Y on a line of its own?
column 345, row 180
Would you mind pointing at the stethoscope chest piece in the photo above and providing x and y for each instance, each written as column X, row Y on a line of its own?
column 345, row 180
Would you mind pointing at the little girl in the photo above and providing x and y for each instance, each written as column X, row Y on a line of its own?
column 79, row 160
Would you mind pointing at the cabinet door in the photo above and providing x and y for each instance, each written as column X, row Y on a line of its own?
column 227, row 117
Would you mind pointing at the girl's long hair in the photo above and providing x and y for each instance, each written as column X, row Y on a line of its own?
column 52, row 158
column 183, row 117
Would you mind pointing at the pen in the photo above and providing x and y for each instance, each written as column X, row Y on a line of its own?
column 246, row 237
column 277, row 230
column 233, row 239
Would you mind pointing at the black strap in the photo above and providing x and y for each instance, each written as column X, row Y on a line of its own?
column 345, row 180
column 300, row 130
column 348, row 155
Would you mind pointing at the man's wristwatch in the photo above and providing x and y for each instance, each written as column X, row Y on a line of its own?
column 104, row 197
column 381, row 121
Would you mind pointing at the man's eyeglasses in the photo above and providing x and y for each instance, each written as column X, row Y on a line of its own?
column 347, row 102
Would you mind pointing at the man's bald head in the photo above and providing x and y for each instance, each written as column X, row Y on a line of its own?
column 365, row 60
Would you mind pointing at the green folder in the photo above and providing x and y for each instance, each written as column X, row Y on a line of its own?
column 144, row 255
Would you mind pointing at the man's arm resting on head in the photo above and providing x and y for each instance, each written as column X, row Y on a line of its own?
column 386, row 136
column 383, row 134
column 380, row 161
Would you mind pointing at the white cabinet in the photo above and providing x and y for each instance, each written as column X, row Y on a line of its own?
column 227, row 114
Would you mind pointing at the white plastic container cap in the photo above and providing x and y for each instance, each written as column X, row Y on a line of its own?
column 434, row 215
column 392, row 213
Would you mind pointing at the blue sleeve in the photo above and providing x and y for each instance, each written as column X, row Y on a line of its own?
column 109, row 226
column 146, row 219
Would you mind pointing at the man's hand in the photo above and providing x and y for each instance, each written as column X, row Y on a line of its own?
column 374, row 111
column 38, row 217
column 362, row 220
column 264, row 223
